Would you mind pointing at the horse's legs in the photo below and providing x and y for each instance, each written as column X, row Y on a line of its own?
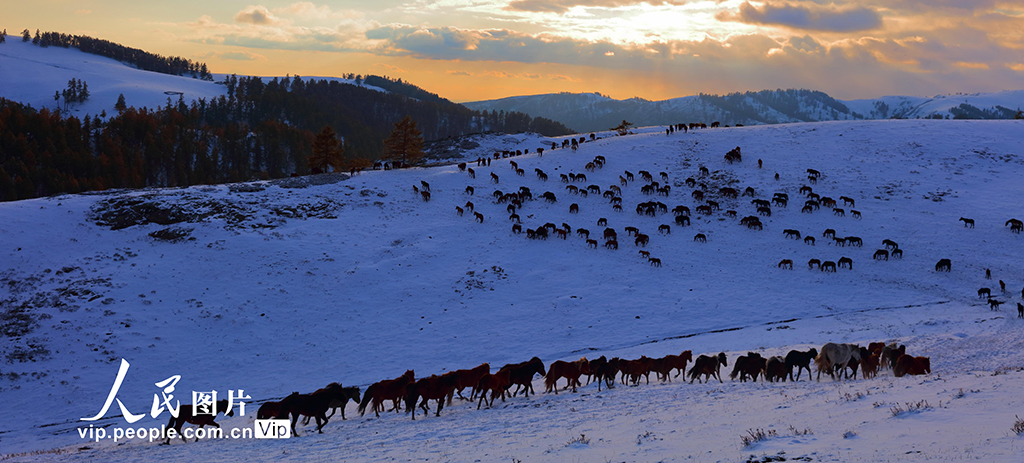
column 295, row 418
column 440, row 405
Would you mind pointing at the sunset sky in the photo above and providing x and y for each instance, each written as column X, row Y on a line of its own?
column 469, row 50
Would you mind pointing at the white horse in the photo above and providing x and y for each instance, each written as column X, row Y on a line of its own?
column 836, row 356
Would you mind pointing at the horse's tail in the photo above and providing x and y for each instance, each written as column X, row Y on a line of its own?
column 693, row 372
column 367, row 397
column 822, row 361
column 550, row 381
column 735, row 370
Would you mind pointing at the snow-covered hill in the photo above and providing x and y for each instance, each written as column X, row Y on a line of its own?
column 591, row 112
column 274, row 287
column 30, row 74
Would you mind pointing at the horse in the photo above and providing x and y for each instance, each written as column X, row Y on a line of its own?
column 869, row 364
column 388, row 389
column 708, row 366
column 790, row 233
column 432, row 388
column 984, row 293
column 891, row 353
column 315, row 404
column 897, row 253
column 829, row 233
column 847, row 201
column 828, row 266
column 943, row 264
column 272, row 410
column 186, row 415
column 775, row 369
column 836, row 356
column 890, row 244
column 341, row 399
column 786, row 263
column 846, row 261
column 1020, row 310
column 748, row 365
column 641, row 240
column 571, row 371
column 700, row 237
column 664, row 228
column 521, row 375
column 811, row 263
column 994, row 304
column 800, row 360
column 654, row 261
column 496, row 384
column 637, row 368
column 907, row 365
column 855, row 213
column 468, row 378
column 881, row 254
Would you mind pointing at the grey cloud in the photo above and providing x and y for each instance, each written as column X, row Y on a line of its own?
column 811, row 17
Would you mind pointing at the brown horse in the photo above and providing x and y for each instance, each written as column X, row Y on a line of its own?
column 571, row 371
column 496, row 384
column 432, row 388
column 272, row 410
column 186, row 415
column 637, row 368
column 314, row 405
column 468, row 378
column 907, row 365
column 708, row 366
column 521, row 375
column 388, row 389
column 664, row 366
column 775, row 369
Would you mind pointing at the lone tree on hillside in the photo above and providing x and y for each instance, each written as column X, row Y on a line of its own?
column 405, row 142
column 623, row 128
column 120, row 105
column 328, row 151
column 26, row 35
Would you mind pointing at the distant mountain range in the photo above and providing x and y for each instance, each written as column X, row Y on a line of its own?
column 589, row 112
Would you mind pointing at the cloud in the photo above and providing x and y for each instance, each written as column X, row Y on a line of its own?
column 811, row 17
column 234, row 56
column 257, row 15
column 460, row 73
column 562, row 6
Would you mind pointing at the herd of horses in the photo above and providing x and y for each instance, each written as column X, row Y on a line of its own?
column 409, row 394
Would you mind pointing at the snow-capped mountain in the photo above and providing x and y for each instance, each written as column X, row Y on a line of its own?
column 588, row 112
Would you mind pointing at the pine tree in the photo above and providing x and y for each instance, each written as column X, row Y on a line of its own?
column 35, row 40
column 26, row 35
column 327, row 152
column 3, row 36
column 623, row 128
column 120, row 105
column 405, row 142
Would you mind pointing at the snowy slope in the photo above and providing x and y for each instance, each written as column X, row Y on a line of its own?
column 287, row 289
column 30, row 75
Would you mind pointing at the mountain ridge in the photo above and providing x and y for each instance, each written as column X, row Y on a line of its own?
column 589, row 112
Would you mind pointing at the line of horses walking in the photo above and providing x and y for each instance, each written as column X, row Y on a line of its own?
column 407, row 393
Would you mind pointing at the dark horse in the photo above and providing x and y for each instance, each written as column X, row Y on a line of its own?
column 388, row 389
column 185, row 415
column 521, row 375
column 708, row 366
column 347, row 393
column 748, row 365
column 315, row 405
column 800, row 360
